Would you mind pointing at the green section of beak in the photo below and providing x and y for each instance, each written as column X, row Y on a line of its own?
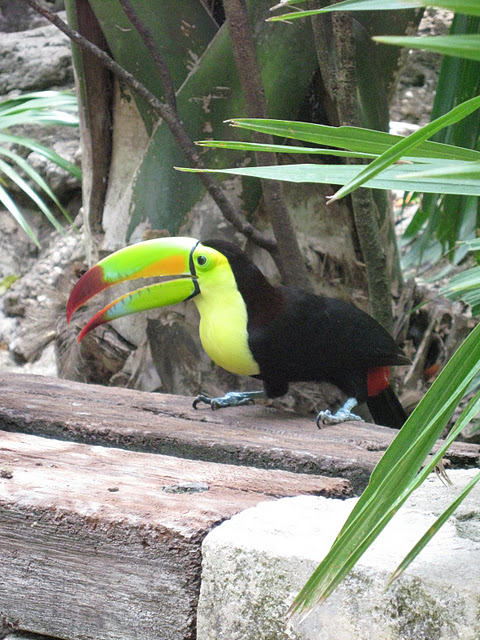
column 161, row 294
column 158, row 257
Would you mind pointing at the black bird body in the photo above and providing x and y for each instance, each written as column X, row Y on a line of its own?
column 295, row 336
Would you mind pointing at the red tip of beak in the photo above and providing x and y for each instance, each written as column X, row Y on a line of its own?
column 89, row 285
column 95, row 322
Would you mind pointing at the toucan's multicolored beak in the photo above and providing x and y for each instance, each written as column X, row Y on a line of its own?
column 158, row 257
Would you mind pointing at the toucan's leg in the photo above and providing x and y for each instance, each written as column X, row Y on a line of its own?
column 342, row 415
column 230, row 399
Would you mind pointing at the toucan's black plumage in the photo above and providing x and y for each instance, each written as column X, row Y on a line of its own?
column 297, row 336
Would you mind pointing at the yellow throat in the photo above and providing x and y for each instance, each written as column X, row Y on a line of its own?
column 223, row 318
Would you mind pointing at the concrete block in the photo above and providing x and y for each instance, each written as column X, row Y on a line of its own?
column 255, row 564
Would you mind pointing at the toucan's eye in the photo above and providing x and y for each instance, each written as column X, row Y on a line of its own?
column 201, row 260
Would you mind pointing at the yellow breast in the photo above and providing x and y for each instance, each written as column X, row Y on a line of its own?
column 223, row 326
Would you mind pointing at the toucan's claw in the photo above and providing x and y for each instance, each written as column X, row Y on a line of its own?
column 230, row 399
column 344, row 414
column 327, row 417
column 202, row 398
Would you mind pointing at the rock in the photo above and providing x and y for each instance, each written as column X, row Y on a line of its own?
column 48, row 47
column 16, row 15
column 34, row 305
column 256, row 563
column 66, row 142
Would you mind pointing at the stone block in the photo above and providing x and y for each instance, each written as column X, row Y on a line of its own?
column 256, row 563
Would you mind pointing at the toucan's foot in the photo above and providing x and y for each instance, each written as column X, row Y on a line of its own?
column 327, row 417
column 230, row 399
column 344, row 414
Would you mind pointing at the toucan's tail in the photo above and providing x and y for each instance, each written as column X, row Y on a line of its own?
column 386, row 409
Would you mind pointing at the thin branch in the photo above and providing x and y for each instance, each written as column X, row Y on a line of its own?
column 290, row 263
column 157, row 58
column 172, row 120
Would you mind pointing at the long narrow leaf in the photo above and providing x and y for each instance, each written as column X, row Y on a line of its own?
column 462, row 46
column 37, row 178
column 467, row 415
column 285, row 148
column 461, row 283
column 10, row 205
column 464, row 170
column 281, row 148
column 39, row 101
column 407, row 144
column 41, row 118
column 25, row 187
column 44, row 151
column 448, row 216
column 351, row 138
column 472, row 245
column 342, row 174
column 469, row 7
column 395, row 475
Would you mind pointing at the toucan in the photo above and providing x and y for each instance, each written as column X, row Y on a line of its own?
column 250, row 327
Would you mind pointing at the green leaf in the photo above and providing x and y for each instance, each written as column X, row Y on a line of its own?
column 395, row 476
column 464, row 170
column 39, row 100
column 343, row 174
column 182, row 30
column 47, row 153
column 467, row 415
column 14, row 176
column 281, row 148
column 472, row 245
column 43, row 107
column 10, row 205
column 407, row 144
column 469, row 7
column 351, row 138
column 462, row 46
column 448, row 217
column 37, row 178
column 461, row 283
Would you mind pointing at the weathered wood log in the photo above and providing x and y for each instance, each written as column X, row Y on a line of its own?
column 256, row 436
column 105, row 544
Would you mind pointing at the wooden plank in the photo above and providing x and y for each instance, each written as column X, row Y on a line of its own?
column 105, row 543
column 256, row 436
